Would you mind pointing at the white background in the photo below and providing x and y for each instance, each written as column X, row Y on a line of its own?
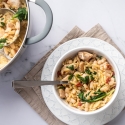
column 110, row 14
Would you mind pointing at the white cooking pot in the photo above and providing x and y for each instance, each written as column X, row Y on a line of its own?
column 39, row 37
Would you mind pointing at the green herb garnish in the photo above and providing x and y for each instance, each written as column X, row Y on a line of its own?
column 70, row 67
column 2, row 24
column 97, row 92
column 1, row 46
column 2, row 18
column 81, row 95
column 94, row 73
column 21, row 14
column 3, row 40
column 100, row 57
column 96, row 98
column 70, row 77
column 88, row 93
column 91, row 77
column 88, row 71
column 61, row 87
column 84, row 80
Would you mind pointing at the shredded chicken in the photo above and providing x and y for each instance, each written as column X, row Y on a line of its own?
column 61, row 93
column 81, row 67
column 14, row 3
column 85, row 56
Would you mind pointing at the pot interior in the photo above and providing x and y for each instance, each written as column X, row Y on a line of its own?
column 9, row 53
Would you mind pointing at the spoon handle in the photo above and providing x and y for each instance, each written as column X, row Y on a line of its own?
column 24, row 84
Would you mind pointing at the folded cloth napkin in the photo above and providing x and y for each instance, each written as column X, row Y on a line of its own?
column 33, row 95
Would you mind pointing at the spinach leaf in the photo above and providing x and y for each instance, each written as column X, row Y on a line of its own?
column 1, row 46
column 3, row 40
column 90, row 73
column 100, row 57
column 95, row 98
column 92, row 99
column 91, row 77
column 81, row 95
column 61, row 87
column 84, row 80
column 21, row 14
column 87, row 70
column 70, row 67
column 2, row 24
column 94, row 73
column 70, row 77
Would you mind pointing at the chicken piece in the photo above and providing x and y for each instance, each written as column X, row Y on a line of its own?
column 72, row 100
column 105, row 88
column 108, row 73
column 67, row 90
column 85, row 56
column 61, row 93
column 8, row 28
column 10, row 25
column 69, row 68
column 14, row 3
column 112, row 82
column 6, row 5
column 65, row 78
column 2, row 31
column 17, row 25
column 101, row 61
column 81, row 67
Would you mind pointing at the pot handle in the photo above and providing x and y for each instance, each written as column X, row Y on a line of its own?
column 48, row 25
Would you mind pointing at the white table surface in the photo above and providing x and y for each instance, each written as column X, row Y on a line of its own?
column 110, row 14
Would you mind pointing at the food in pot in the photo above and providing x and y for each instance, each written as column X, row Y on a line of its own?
column 20, row 9
column 9, row 29
column 14, row 4
column 91, row 81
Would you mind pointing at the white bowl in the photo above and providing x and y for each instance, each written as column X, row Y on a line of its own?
column 72, row 53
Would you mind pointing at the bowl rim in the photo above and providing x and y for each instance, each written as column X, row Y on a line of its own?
column 109, row 58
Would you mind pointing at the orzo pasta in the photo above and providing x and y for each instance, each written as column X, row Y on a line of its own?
column 91, row 81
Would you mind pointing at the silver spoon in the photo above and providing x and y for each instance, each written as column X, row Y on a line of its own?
column 24, row 84
column 3, row 11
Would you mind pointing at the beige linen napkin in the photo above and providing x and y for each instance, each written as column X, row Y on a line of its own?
column 33, row 96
